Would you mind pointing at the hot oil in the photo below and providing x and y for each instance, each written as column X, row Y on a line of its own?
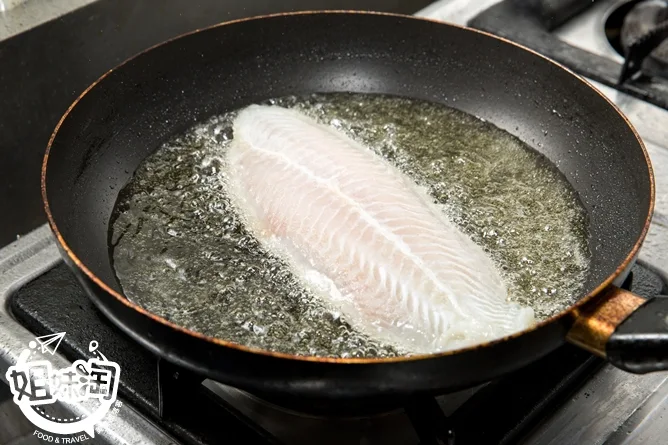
column 181, row 252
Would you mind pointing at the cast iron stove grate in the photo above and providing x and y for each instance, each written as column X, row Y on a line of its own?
column 192, row 413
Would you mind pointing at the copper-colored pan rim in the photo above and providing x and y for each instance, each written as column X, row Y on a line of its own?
column 567, row 312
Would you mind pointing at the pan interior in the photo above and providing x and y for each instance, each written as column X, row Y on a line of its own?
column 148, row 100
column 181, row 251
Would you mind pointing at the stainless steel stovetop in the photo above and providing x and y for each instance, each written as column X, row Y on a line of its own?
column 612, row 408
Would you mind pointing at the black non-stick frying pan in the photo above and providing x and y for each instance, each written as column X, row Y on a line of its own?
column 134, row 108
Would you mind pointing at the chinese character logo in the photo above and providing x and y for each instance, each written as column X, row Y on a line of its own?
column 34, row 384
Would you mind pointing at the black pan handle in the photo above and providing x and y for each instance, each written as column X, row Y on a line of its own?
column 640, row 343
column 631, row 332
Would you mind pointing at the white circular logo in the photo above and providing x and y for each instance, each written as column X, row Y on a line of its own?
column 36, row 385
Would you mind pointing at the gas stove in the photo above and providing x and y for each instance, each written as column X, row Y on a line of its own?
column 568, row 397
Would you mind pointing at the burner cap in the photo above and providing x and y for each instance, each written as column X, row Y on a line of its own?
column 640, row 20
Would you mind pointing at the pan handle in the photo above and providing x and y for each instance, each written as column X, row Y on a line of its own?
column 631, row 332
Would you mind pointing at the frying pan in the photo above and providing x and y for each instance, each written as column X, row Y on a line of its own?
column 131, row 110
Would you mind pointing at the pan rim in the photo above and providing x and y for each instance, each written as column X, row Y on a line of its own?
column 571, row 311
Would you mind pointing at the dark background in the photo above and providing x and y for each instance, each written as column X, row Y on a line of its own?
column 44, row 69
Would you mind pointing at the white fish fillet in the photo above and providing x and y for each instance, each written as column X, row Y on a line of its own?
column 364, row 236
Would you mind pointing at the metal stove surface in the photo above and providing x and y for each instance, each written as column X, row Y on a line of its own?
column 611, row 408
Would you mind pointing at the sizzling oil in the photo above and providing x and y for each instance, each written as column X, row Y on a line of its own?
column 181, row 252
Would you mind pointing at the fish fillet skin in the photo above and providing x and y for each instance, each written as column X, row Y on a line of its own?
column 363, row 236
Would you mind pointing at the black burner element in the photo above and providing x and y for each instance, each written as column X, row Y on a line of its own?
column 642, row 19
column 638, row 31
column 176, row 400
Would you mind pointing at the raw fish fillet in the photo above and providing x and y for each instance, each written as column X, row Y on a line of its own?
column 363, row 236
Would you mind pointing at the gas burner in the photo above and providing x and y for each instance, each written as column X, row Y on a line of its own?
column 638, row 31
column 643, row 18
